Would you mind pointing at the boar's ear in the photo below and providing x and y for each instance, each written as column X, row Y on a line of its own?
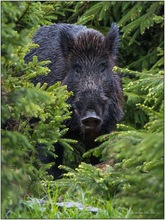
column 66, row 42
column 112, row 39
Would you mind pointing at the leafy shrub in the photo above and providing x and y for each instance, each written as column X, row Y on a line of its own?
column 21, row 102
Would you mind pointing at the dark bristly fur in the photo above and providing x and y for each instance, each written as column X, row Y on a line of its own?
column 83, row 59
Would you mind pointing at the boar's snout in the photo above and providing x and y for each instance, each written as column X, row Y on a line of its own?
column 91, row 120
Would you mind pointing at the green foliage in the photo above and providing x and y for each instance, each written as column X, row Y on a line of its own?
column 21, row 102
column 130, row 187
column 51, row 207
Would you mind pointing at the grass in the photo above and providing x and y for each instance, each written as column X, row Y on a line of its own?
column 54, row 205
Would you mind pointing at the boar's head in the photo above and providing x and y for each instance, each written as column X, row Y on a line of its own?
column 97, row 100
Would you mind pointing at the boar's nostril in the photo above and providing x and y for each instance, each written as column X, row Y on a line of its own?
column 91, row 120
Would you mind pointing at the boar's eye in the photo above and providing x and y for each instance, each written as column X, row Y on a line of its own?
column 102, row 67
column 77, row 69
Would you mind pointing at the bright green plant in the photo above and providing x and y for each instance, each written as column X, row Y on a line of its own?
column 22, row 101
